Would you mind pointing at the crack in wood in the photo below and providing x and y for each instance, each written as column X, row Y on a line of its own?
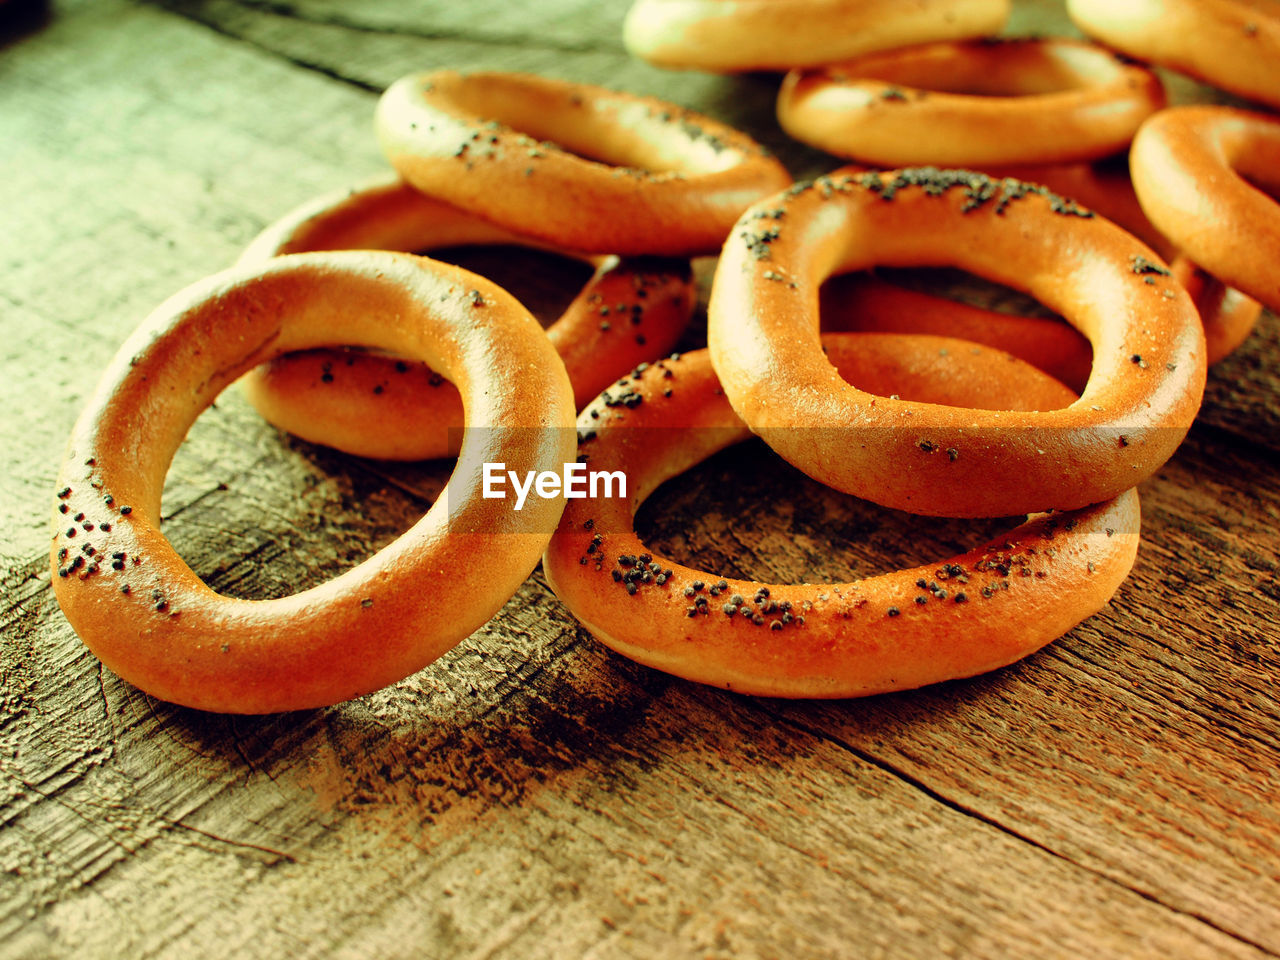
column 933, row 794
column 280, row 855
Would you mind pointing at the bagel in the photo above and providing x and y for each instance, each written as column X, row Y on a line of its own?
column 576, row 166
column 1200, row 173
column 629, row 312
column 971, row 104
column 729, row 37
column 1148, row 346
column 863, row 302
column 150, row 618
column 957, row 618
column 1232, row 44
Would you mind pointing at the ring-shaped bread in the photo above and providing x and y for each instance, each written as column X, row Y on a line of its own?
column 972, row 104
column 862, row 302
column 956, row 618
column 1207, row 177
column 1232, row 44
column 573, row 165
column 729, row 37
column 1148, row 345
column 1228, row 315
column 150, row 618
column 630, row 311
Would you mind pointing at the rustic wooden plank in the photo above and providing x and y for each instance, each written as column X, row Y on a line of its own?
column 533, row 794
column 1143, row 745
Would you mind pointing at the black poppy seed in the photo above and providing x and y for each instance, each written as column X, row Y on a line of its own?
column 89, row 549
column 87, row 525
column 660, row 579
column 626, row 560
column 758, row 620
column 714, row 591
column 71, row 531
column 644, row 558
column 953, row 454
column 893, row 611
column 631, row 588
column 640, row 339
column 64, row 572
column 689, row 591
column 646, row 577
column 162, row 605
column 617, row 577
column 62, row 554
column 776, row 625
column 117, row 564
column 105, row 527
column 78, row 517
column 326, row 378
column 126, row 510
column 63, row 508
column 922, row 600
column 962, row 597
column 691, row 611
column 737, row 598
column 64, row 493
column 730, row 609
column 1141, row 265
column 77, row 563
column 591, row 547
column 697, row 585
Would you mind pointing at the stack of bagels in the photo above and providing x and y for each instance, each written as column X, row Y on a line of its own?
column 993, row 157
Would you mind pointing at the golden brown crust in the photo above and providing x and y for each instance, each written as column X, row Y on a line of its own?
column 630, row 311
column 1200, row 173
column 728, row 37
column 1232, row 44
column 972, row 104
column 659, row 179
column 957, row 618
column 1148, row 346
column 1228, row 315
column 143, row 611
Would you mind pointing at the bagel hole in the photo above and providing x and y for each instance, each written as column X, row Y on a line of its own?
column 725, row 516
column 288, row 514
column 1009, row 68
column 620, row 133
column 1266, row 181
column 960, row 286
column 920, row 300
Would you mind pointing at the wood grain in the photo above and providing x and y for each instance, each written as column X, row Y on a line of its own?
column 533, row 794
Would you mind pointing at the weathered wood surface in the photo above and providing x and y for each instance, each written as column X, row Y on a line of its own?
column 533, row 794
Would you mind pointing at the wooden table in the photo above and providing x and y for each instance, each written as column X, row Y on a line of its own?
column 533, row 794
